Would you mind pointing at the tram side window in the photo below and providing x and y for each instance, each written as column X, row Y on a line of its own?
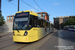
column 40, row 22
column 34, row 21
column 31, row 23
column 52, row 25
column 47, row 24
column 43, row 23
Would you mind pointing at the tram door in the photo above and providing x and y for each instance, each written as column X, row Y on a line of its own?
column 45, row 29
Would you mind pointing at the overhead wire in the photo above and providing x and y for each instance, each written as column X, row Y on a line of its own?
column 38, row 5
column 29, row 5
column 14, row 5
column 17, row 6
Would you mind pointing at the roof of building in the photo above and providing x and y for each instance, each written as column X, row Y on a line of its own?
column 11, row 15
column 64, row 17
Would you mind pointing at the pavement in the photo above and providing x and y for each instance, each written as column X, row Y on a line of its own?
column 7, row 27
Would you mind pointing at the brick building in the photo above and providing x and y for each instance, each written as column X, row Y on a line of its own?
column 10, row 18
column 43, row 15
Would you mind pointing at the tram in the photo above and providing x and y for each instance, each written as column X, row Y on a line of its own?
column 29, row 27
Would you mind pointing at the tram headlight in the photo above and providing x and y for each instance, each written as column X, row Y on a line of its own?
column 25, row 33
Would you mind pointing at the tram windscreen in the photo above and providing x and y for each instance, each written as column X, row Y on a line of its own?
column 20, row 25
column 21, row 21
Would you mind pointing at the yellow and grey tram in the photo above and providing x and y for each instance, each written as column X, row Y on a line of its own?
column 29, row 27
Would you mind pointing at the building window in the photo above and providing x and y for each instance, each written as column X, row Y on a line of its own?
column 8, row 17
column 39, row 14
column 10, row 20
column 43, row 14
column 11, row 17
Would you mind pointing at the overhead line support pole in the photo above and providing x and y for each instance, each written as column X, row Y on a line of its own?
column 18, row 5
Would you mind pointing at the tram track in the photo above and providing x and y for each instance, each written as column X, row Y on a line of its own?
column 4, row 35
column 6, row 40
column 5, row 44
column 15, row 46
column 22, row 46
column 8, row 43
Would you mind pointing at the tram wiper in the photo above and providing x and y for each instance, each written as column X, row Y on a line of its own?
column 17, row 30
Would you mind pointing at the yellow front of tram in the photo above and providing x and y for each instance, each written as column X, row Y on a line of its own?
column 23, row 30
column 21, row 37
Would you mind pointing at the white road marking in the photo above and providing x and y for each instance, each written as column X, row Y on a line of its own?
column 60, row 42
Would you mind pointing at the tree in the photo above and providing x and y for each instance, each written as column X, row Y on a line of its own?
column 71, row 21
column 1, row 20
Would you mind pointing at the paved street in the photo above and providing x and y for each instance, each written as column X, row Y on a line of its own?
column 66, row 40
column 59, row 40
